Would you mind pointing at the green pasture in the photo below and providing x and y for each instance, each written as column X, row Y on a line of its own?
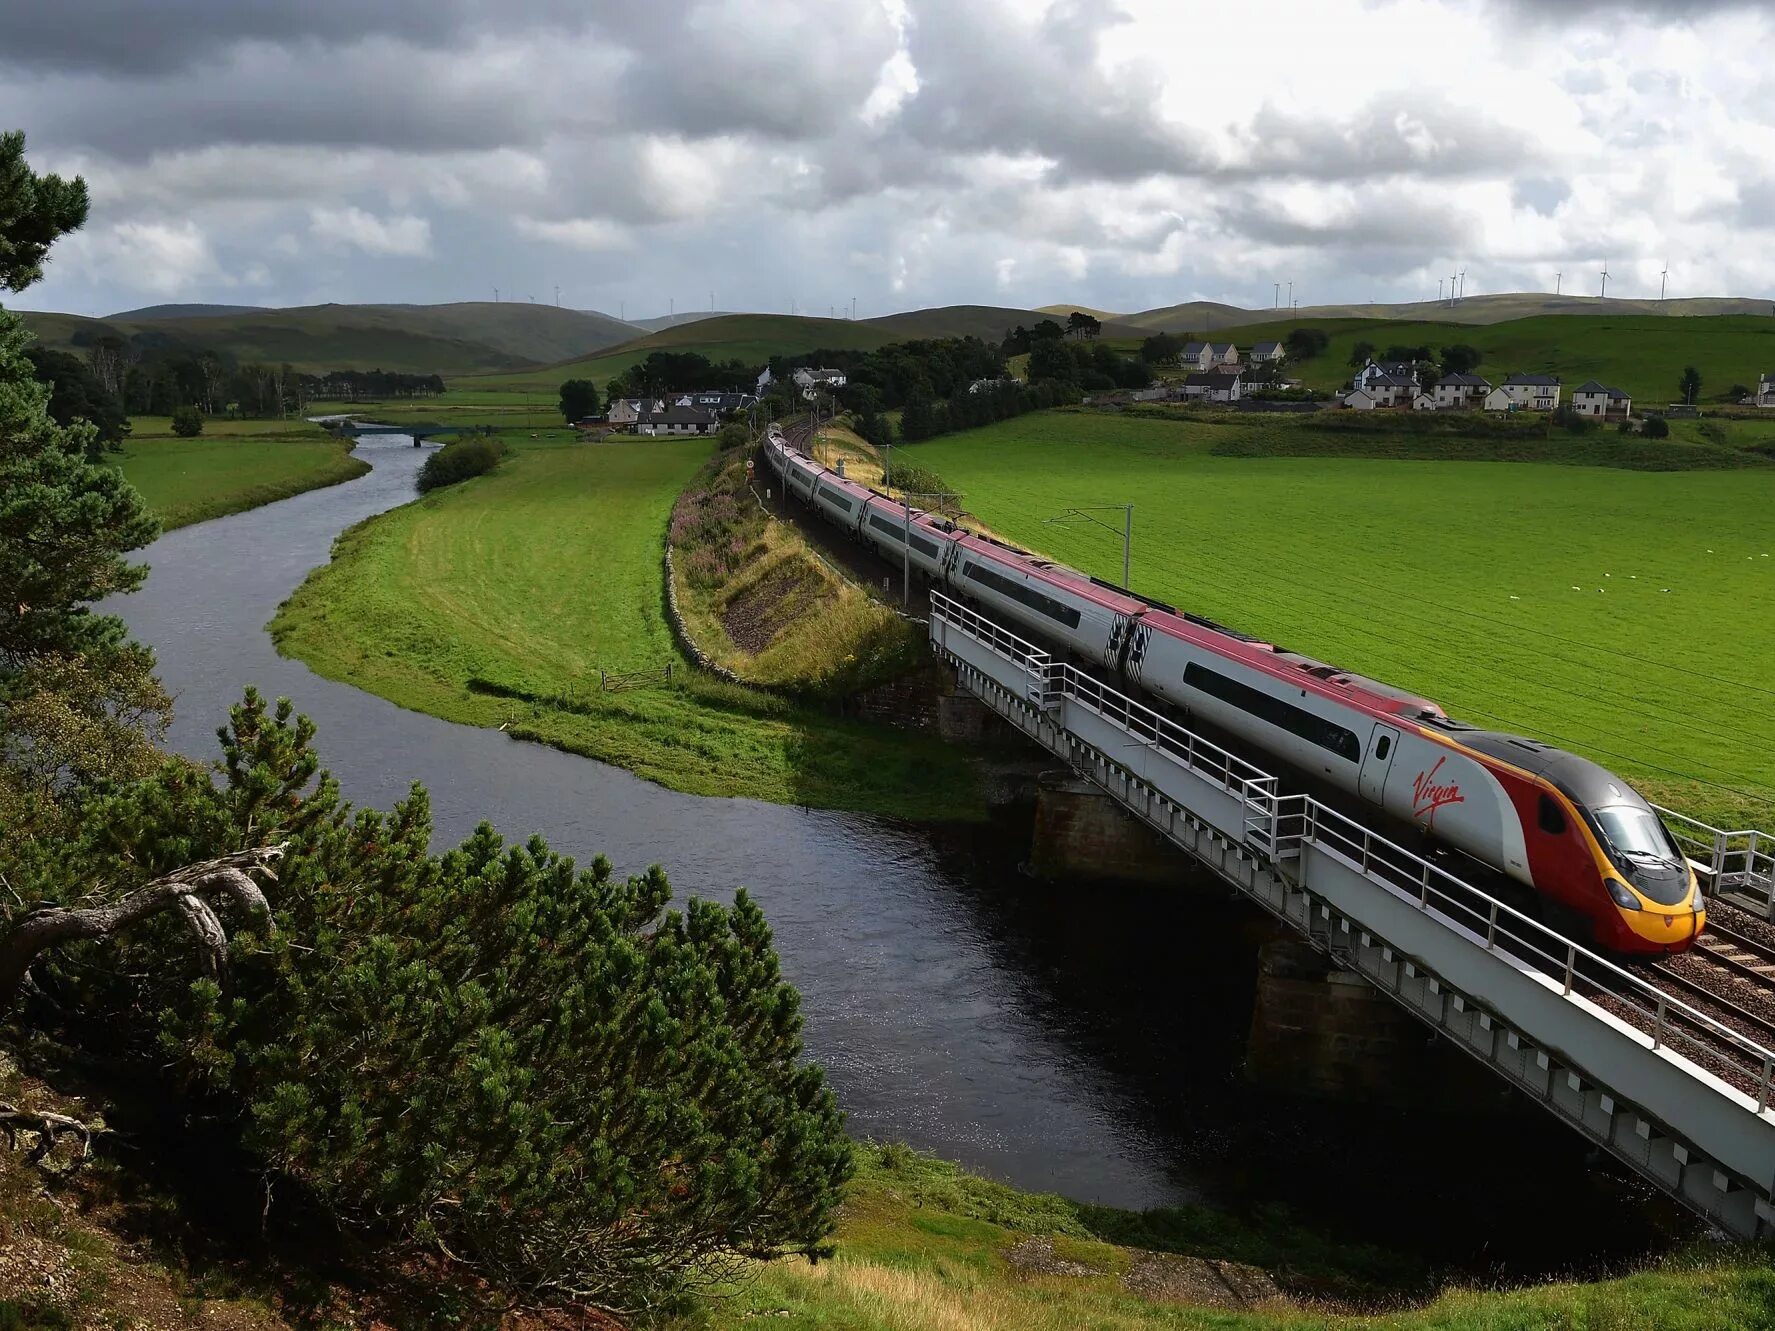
column 191, row 480
column 1620, row 613
column 1642, row 354
column 533, row 579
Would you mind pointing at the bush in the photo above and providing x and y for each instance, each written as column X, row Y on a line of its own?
column 187, row 423
column 1656, row 427
column 460, row 460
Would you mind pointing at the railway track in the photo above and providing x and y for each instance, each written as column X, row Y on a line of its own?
column 1739, row 953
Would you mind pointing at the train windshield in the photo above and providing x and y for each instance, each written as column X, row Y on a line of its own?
column 1637, row 833
column 1644, row 850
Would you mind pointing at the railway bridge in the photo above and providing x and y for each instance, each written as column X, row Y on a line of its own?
column 1678, row 1094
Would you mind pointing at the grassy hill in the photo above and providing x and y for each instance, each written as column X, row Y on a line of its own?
column 989, row 323
column 746, row 337
column 1200, row 316
column 1643, row 354
column 418, row 339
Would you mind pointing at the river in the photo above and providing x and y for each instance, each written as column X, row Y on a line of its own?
column 1080, row 1041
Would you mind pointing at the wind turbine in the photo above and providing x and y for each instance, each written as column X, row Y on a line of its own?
column 1276, row 304
column 1664, row 279
column 1558, row 281
column 1463, row 294
column 1605, row 280
column 1439, row 285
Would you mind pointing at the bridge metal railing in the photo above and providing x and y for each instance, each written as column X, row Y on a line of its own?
column 1737, row 865
column 1134, row 742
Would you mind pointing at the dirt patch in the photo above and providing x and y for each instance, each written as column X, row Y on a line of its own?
column 755, row 617
column 1037, row 1257
column 1176, row 1279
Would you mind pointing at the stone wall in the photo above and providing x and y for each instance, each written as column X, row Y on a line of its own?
column 1082, row 833
column 701, row 659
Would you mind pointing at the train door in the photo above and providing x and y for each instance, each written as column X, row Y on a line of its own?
column 1377, row 762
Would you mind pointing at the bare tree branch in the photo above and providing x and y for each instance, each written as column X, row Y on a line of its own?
column 184, row 889
column 47, row 1126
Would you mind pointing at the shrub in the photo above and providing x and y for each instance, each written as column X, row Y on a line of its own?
column 1656, row 427
column 187, row 422
column 460, row 460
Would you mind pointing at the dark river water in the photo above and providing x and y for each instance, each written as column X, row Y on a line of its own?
column 1084, row 1041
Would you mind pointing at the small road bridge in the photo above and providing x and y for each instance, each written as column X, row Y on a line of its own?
column 1680, row 1096
column 419, row 430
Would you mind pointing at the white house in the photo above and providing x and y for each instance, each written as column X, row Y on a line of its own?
column 1594, row 399
column 674, row 419
column 1391, row 390
column 1223, row 354
column 1196, row 356
column 1499, row 400
column 764, row 382
column 987, row 385
column 1265, row 353
column 1359, row 399
column 1398, row 369
column 1533, row 392
column 1422, row 401
column 627, row 410
column 1458, row 392
column 1766, row 390
column 1213, row 387
column 810, row 382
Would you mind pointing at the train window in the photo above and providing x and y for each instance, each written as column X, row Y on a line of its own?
column 1383, row 747
column 1284, row 715
column 1552, row 818
column 896, row 531
column 1029, row 596
column 833, row 497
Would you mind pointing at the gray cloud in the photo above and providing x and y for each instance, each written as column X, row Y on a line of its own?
column 413, row 150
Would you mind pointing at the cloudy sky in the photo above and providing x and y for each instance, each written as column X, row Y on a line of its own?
column 1118, row 153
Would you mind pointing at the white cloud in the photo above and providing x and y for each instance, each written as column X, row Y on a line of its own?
column 592, row 234
column 353, row 228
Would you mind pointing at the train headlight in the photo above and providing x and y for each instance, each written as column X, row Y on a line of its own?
column 1624, row 898
column 1697, row 902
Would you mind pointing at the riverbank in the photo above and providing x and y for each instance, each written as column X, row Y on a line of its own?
column 532, row 600
column 233, row 466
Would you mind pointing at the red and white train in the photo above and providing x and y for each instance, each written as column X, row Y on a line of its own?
column 1557, row 823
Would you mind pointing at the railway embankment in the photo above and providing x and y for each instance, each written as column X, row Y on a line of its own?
column 756, row 602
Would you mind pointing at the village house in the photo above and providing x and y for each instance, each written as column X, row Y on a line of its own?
column 712, row 400
column 1223, row 354
column 1595, row 399
column 987, row 385
column 674, row 419
column 1460, row 392
column 627, row 410
column 1196, row 356
column 1391, row 390
column 811, row 382
column 1398, row 369
column 1766, row 390
column 1499, row 400
column 1213, row 387
column 1422, row 401
column 1359, row 399
column 1267, row 353
column 1533, row 392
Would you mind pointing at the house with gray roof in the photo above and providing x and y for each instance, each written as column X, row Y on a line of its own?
column 1460, row 392
column 1600, row 400
column 1533, row 392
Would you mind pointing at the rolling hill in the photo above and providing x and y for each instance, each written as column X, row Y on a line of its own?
column 755, row 338
column 1201, row 316
column 416, row 339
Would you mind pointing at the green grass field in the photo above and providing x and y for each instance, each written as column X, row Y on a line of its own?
column 1623, row 614
column 924, row 1246
column 234, row 465
column 533, row 579
column 1642, row 354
